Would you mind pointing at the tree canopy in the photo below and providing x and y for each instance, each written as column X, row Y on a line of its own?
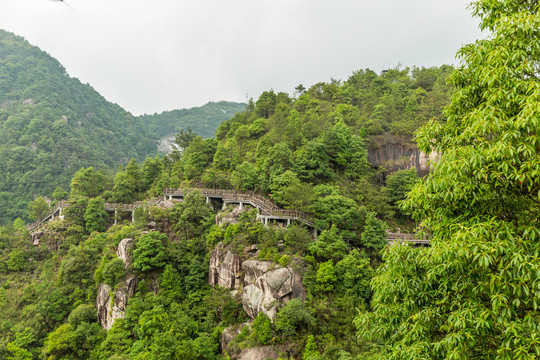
column 473, row 293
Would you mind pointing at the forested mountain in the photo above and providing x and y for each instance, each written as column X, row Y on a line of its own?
column 226, row 273
column 203, row 120
column 51, row 125
column 162, row 285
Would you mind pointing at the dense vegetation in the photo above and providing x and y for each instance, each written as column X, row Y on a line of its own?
column 471, row 294
column 203, row 120
column 308, row 153
column 51, row 126
column 474, row 294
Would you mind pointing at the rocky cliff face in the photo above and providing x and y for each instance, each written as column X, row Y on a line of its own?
column 397, row 156
column 225, row 269
column 124, row 251
column 258, row 353
column 112, row 305
column 108, row 312
column 265, row 285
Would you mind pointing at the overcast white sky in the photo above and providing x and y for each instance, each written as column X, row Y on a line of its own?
column 155, row 55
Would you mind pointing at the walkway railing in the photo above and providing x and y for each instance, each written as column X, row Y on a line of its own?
column 407, row 237
column 62, row 204
column 266, row 206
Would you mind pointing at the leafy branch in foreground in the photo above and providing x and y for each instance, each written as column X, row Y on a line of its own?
column 473, row 293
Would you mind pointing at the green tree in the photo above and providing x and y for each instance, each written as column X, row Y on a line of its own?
column 288, row 191
column 184, row 138
column 113, row 271
column 294, row 318
column 353, row 274
column 374, row 234
column 95, row 216
column 59, row 193
column 76, row 209
column 329, row 245
column 151, row 169
column 150, row 252
column 82, row 313
column 88, row 182
column 18, row 260
column 262, row 329
column 38, row 208
column 123, row 189
column 192, row 216
column 326, row 276
column 310, row 350
column 473, row 292
column 398, row 184
column 134, row 175
column 60, row 343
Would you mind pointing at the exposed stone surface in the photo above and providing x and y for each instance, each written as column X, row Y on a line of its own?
column 229, row 334
column 27, row 102
column 266, row 287
column 421, row 160
column 35, row 236
column 250, row 251
column 258, row 353
column 253, row 269
column 106, row 313
column 103, row 302
column 225, row 269
column 399, row 157
column 231, row 217
column 124, row 251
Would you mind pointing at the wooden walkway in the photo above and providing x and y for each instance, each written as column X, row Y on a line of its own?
column 267, row 210
column 406, row 238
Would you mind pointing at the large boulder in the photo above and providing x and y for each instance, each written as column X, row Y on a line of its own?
column 229, row 217
column 35, row 236
column 267, row 287
column 225, row 269
column 106, row 313
column 124, row 251
column 258, row 353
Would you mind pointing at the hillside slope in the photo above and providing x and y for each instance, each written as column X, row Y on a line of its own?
column 51, row 125
column 203, row 120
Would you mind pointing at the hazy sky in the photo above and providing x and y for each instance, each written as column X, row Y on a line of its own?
column 155, row 55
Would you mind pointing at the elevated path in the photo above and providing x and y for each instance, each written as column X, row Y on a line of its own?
column 268, row 211
column 406, row 238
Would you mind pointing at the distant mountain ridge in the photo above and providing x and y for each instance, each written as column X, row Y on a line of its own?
column 52, row 125
column 203, row 120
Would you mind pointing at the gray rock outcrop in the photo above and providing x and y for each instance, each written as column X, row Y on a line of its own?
column 35, row 236
column 397, row 156
column 230, row 217
column 124, row 251
column 225, row 269
column 258, row 353
column 266, row 287
column 107, row 312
